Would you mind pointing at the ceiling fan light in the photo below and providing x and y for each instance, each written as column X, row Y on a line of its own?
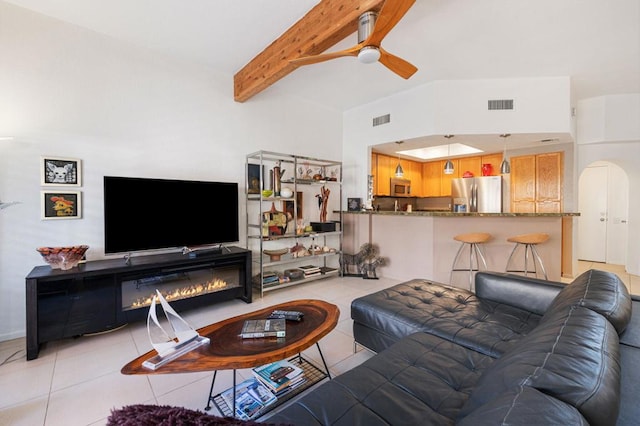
column 368, row 55
column 399, row 171
column 505, row 167
column 448, row 167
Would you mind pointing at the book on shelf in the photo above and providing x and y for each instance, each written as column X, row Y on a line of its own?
column 310, row 270
column 279, row 375
column 327, row 270
column 252, row 329
column 252, row 397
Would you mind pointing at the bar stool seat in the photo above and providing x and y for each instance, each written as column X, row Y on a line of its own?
column 529, row 241
column 473, row 241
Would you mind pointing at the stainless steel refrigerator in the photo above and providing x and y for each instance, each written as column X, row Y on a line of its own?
column 478, row 194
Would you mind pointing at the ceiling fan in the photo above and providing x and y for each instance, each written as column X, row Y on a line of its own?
column 372, row 28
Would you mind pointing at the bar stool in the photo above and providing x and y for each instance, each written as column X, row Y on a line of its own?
column 529, row 241
column 473, row 242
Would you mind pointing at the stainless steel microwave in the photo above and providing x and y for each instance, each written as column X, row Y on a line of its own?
column 400, row 187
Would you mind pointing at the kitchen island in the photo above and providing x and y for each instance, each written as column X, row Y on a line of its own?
column 421, row 245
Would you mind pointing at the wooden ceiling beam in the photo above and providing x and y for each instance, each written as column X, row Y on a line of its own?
column 328, row 23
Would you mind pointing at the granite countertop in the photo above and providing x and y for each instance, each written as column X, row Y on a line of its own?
column 452, row 214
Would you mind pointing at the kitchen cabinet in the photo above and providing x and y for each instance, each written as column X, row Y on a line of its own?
column 431, row 172
column 549, row 179
column 374, row 172
column 470, row 164
column 384, row 171
column 536, row 183
column 416, row 179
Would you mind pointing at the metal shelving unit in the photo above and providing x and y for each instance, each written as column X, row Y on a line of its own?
column 303, row 175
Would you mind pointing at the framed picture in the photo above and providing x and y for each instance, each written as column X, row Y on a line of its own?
column 254, row 179
column 288, row 207
column 56, row 171
column 354, row 204
column 61, row 204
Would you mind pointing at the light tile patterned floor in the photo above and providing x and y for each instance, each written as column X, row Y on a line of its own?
column 78, row 381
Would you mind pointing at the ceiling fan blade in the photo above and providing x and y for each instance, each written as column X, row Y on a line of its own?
column 398, row 65
column 391, row 13
column 306, row 60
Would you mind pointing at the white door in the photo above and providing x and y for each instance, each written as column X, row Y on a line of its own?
column 592, row 223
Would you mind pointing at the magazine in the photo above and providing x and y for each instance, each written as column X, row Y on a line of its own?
column 279, row 375
column 251, row 398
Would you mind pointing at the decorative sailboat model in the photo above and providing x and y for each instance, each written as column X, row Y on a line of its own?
column 170, row 344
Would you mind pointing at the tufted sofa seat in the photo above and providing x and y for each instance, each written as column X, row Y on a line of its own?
column 486, row 325
column 518, row 352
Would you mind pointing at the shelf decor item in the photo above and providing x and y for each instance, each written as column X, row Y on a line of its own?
column 63, row 258
column 274, row 222
column 254, row 179
column 275, row 255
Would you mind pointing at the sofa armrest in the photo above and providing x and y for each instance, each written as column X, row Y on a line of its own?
column 531, row 294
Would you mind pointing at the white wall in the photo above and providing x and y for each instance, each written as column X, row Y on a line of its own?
column 609, row 130
column 122, row 110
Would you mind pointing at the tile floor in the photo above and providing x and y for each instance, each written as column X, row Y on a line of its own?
column 78, row 381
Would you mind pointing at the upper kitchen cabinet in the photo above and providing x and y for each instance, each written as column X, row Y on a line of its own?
column 471, row 165
column 431, row 172
column 536, row 183
column 383, row 174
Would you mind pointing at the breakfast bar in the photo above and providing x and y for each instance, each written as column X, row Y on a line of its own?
column 421, row 243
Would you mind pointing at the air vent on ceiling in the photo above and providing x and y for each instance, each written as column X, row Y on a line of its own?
column 383, row 119
column 495, row 104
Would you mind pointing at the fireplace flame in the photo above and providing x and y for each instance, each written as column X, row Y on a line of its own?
column 182, row 292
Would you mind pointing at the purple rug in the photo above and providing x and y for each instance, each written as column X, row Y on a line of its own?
column 165, row 415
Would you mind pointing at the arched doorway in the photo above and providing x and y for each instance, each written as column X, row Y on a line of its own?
column 603, row 202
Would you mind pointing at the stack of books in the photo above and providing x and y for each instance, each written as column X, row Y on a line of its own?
column 257, row 328
column 281, row 376
column 310, row 270
column 252, row 397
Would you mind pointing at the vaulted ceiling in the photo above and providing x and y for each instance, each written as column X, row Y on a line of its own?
column 595, row 42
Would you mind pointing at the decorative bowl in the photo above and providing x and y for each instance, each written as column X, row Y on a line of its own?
column 63, row 257
column 286, row 192
column 275, row 254
column 267, row 193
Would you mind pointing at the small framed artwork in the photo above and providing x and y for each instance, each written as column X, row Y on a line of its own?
column 56, row 171
column 288, row 207
column 61, row 205
column 254, row 179
column 354, row 204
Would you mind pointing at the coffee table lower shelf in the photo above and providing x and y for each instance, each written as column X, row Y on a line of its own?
column 312, row 373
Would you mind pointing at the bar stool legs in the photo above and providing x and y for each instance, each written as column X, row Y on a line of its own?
column 474, row 243
column 529, row 241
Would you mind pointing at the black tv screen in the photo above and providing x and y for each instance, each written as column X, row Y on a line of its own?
column 147, row 214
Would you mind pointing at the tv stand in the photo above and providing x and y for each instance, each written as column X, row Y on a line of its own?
column 93, row 297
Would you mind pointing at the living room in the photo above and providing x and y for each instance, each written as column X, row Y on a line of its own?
column 124, row 110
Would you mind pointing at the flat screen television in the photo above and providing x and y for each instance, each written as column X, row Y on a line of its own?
column 147, row 214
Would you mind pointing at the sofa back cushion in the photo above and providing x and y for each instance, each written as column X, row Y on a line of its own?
column 574, row 357
column 600, row 291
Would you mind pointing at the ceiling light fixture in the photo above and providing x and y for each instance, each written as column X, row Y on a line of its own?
column 399, row 172
column 505, row 167
column 448, row 165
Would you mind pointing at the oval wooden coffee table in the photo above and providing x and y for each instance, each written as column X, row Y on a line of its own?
column 228, row 351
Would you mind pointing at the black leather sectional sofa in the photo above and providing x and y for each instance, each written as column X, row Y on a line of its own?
column 520, row 351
